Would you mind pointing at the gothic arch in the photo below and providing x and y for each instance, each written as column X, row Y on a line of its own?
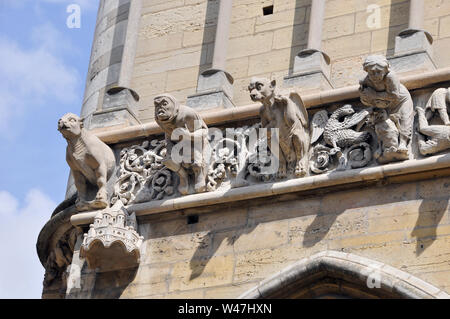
column 334, row 274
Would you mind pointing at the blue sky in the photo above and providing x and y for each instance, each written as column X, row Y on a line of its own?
column 43, row 65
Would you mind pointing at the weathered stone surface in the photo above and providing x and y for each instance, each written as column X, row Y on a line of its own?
column 201, row 273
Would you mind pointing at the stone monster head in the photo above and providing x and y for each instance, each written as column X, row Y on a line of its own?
column 166, row 107
column 261, row 89
column 376, row 66
column 70, row 125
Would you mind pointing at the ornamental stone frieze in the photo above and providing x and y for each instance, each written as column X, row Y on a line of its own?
column 284, row 146
column 287, row 142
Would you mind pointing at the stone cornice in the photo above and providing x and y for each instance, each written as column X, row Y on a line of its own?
column 215, row 117
column 430, row 165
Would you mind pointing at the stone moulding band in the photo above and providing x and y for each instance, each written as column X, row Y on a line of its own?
column 277, row 188
column 412, row 82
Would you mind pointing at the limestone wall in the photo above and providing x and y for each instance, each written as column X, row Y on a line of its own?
column 405, row 225
column 176, row 41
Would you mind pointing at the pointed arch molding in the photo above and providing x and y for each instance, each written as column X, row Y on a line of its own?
column 344, row 267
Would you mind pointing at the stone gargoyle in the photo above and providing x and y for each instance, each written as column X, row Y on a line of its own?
column 434, row 138
column 91, row 161
column 182, row 125
column 287, row 113
column 381, row 89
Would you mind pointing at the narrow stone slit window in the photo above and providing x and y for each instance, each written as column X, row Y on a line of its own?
column 268, row 10
column 192, row 219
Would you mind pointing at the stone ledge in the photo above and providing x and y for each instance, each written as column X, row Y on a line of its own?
column 304, row 184
column 412, row 82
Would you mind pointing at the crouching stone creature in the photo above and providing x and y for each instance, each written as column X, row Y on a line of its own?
column 91, row 161
column 289, row 115
column 184, row 127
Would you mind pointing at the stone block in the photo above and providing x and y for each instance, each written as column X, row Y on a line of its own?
column 163, row 43
column 119, row 108
column 254, row 44
column 338, row 26
column 177, row 248
column 412, row 41
column 181, row 79
column 311, row 70
column 274, row 234
column 238, row 68
column 348, row 46
column 366, row 240
column 214, row 90
column 242, row 28
column 435, row 188
column 276, row 60
column 201, row 273
column 413, row 52
column 199, row 37
column 280, row 19
column 290, row 37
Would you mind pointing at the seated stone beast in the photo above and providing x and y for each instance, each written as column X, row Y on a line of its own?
column 289, row 115
column 90, row 160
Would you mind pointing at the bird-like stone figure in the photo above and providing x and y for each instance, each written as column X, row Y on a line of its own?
column 337, row 130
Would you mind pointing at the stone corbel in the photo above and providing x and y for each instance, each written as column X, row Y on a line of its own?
column 112, row 241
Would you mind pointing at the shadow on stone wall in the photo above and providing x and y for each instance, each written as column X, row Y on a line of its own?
column 110, row 285
column 430, row 214
column 199, row 261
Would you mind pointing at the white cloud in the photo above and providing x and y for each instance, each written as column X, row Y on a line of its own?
column 21, row 273
column 33, row 76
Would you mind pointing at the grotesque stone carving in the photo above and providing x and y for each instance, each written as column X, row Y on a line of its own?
column 60, row 258
column 381, row 88
column 90, row 160
column 348, row 144
column 182, row 124
column 438, row 103
column 289, row 115
column 387, row 134
column 112, row 226
column 438, row 136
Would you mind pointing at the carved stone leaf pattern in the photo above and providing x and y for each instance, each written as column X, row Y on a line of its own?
column 229, row 159
column 142, row 176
